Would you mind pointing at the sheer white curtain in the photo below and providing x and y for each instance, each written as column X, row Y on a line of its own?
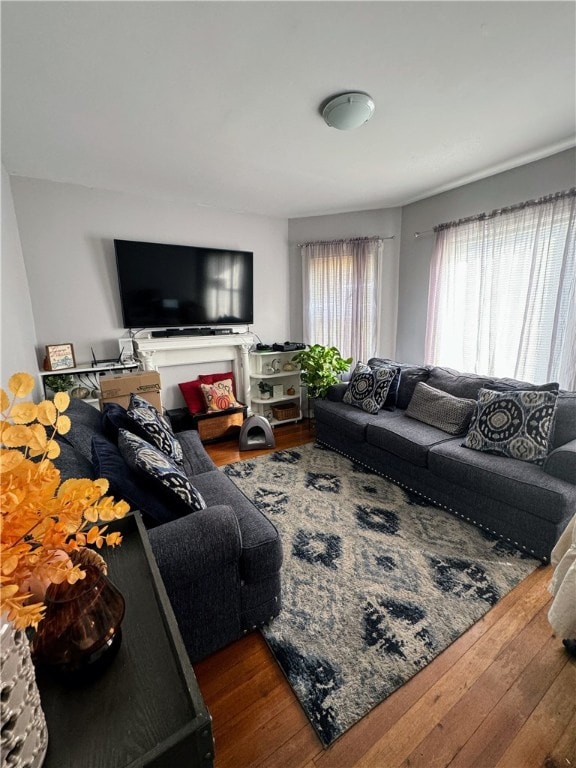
column 503, row 291
column 341, row 295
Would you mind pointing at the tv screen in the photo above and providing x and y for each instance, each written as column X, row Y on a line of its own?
column 164, row 286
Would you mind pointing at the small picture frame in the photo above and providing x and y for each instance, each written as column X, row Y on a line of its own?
column 59, row 357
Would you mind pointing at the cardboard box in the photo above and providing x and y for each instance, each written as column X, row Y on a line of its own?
column 117, row 389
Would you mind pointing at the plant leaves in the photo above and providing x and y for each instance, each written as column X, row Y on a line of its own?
column 21, row 384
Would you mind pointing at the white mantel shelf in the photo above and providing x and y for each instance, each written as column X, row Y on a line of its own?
column 156, row 353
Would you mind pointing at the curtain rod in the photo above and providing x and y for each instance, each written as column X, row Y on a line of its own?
column 497, row 211
column 376, row 238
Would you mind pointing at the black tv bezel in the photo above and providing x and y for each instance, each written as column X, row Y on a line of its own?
column 216, row 324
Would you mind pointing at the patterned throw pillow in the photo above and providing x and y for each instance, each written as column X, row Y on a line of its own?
column 155, row 426
column 368, row 387
column 192, row 390
column 392, row 396
column 447, row 412
column 516, row 424
column 219, row 396
column 147, row 460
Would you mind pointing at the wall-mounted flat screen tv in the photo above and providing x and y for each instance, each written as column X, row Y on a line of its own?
column 169, row 286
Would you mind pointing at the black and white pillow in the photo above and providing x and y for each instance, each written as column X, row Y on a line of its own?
column 369, row 387
column 158, row 469
column 516, row 424
column 155, row 427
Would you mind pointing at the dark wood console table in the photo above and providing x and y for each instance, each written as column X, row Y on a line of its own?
column 146, row 709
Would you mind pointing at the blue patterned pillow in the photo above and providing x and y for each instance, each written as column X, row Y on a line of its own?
column 157, row 467
column 369, row 387
column 516, row 424
column 155, row 426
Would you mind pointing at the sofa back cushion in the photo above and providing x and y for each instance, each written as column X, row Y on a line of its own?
column 410, row 375
column 565, row 419
column 458, row 384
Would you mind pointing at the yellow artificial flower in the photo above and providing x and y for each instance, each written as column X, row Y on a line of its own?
column 43, row 519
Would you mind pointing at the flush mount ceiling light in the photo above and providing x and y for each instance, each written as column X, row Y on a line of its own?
column 348, row 110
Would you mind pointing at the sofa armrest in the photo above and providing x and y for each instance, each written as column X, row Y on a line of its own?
column 336, row 391
column 561, row 462
column 188, row 548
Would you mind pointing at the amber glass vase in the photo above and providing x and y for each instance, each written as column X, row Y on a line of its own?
column 81, row 630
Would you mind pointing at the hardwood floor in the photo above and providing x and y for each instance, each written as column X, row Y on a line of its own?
column 502, row 696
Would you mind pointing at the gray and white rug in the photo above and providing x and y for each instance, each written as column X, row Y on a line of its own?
column 375, row 582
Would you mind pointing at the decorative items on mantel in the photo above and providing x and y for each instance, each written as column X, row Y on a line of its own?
column 46, row 527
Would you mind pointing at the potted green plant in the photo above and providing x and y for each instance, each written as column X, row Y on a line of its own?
column 320, row 367
column 59, row 382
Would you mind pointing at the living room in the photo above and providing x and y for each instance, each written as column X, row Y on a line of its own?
column 95, row 148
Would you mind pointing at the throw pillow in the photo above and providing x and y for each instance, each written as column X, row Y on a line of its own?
column 153, row 464
column 410, row 376
column 155, row 427
column 516, row 424
column 392, row 396
column 219, row 396
column 126, row 484
column 115, row 417
column 447, row 412
column 368, row 387
column 192, row 390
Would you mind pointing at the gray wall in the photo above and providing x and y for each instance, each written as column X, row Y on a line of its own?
column 543, row 177
column 18, row 332
column 382, row 222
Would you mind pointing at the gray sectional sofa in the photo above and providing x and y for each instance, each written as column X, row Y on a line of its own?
column 526, row 504
column 220, row 565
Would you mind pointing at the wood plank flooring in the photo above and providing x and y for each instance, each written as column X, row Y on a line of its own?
column 502, row 696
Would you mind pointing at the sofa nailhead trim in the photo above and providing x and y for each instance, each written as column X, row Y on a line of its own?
column 544, row 560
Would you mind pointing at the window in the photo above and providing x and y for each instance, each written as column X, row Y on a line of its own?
column 502, row 293
column 341, row 293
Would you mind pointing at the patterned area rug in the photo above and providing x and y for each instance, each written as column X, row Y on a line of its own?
column 376, row 582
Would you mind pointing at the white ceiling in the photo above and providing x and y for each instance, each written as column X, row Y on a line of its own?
column 218, row 102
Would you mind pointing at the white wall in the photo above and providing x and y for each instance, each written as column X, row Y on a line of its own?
column 18, row 332
column 553, row 174
column 67, row 234
column 382, row 222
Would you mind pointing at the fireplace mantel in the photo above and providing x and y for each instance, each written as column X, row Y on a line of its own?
column 156, row 353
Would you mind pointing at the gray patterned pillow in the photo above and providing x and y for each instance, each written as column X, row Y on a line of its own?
column 155, row 427
column 516, row 424
column 368, row 387
column 149, row 461
column 447, row 412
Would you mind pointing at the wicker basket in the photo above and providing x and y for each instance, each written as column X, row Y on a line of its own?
column 284, row 411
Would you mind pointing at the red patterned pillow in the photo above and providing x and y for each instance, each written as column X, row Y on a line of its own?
column 219, row 396
column 192, row 392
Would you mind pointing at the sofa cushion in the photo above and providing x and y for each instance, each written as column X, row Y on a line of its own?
column 410, row 375
column 72, row 463
column 350, row 422
column 404, row 437
column 154, row 427
column 440, row 409
column 369, row 387
column 561, row 462
column 392, row 396
column 160, row 472
column 126, row 484
column 516, row 424
column 517, row 483
column 85, row 422
column 261, row 546
column 195, row 458
column 458, row 384
column 564, row 419
column 507, row 385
